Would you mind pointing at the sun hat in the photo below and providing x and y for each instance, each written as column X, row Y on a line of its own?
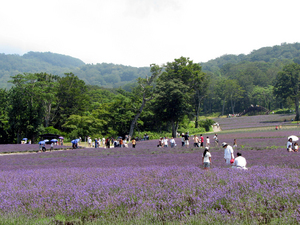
column 224, row 144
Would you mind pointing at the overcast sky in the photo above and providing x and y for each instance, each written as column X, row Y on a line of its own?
column 140, row 32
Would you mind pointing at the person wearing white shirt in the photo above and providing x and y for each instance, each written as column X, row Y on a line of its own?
column 228, row 153
column 206, row 158
column 172, row 142
column 165, row 142
column 239, row 162
column 289, row 145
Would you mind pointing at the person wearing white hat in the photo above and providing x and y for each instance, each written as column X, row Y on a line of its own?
column 228, row 153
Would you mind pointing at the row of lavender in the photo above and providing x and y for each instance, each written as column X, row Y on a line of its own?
column 153, row 185
column 259, row 121
column 158, row 193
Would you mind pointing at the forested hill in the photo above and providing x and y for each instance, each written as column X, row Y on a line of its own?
column 264, row 62
column 107, row 75
column 282, row 54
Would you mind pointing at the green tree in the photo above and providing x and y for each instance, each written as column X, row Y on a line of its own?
column 146, row 89
column 27, row 111
column 288, row 84
column 4, row 116
column 72, row 98
column 174, row 92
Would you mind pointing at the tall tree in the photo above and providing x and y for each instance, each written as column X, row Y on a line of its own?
column 288, row 85
column 26, row 112
column 146, row 88
column 72, row 98
column 176, row 87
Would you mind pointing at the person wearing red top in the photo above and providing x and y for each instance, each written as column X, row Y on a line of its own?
column 201, row 140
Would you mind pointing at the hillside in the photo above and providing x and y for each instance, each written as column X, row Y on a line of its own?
column 265, row 62
column 108, row 75
column 278, row 53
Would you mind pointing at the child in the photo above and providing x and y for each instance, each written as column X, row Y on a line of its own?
column 296, row 147
column 207, row 142
column 234, row 143
column 133, row 142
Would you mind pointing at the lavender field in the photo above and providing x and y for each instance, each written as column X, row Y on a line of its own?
column 150, row 185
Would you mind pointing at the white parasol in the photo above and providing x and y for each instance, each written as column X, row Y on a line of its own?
column 294, row 138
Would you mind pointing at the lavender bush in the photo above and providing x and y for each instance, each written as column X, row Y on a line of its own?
column 149, row 185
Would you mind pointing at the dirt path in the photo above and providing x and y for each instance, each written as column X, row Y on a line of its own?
column 217, row 128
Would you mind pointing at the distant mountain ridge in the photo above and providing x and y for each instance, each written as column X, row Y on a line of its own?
column 265, row 54
column 112, row 75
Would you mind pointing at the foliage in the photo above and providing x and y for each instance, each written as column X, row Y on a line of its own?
column 288, row 85
column 207, row 124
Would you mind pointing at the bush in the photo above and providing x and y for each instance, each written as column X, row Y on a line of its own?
column 206, row 124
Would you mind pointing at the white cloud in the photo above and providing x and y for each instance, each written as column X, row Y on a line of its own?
column 141, row 32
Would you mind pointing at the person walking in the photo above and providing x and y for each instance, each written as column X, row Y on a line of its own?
column 133, row 142
column 201, row 141
column 216, row 139
column 207, row 142
column 172, row 142
column 206, row 158
column 228, row 153
column 186, row 139
column 182, row 140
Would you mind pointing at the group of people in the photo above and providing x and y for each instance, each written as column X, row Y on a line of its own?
column 109, row 142
column 292, row 147
column 164, row 142
column 239, row 162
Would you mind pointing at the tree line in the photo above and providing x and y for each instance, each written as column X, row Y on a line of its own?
column 163, row 101
column 42, row 102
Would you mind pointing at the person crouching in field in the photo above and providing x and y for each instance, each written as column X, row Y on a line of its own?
column 206, row 158
column 296, row 147
column 239, row 162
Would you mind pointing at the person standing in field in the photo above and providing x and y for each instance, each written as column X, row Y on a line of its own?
column 234, row 143
column 172, row 142
column 228, row 153
column 289, row 145
column 196, row 141
column 206, row 158
column 216, row 139
column 90, row 142
column 207, row 142
column 166, row 142
column 133, row 142
column 186, row 139
column 182, row 140
column 201, row 141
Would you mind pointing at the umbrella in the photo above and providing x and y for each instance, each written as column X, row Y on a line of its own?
column 294, row 138
column 73, row 141
column 54, row 140
column 46, row 140
column 24, row 139
column 41, row 142
column 60, row 137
